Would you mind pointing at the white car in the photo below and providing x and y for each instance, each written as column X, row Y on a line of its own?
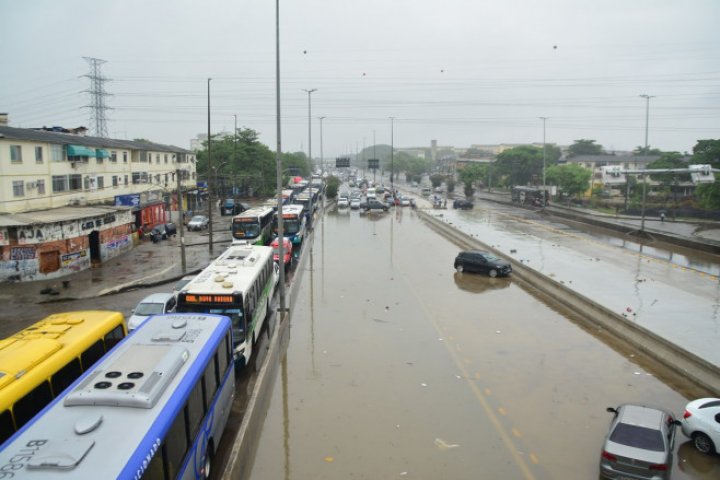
column 701, row 424
column 343, row 202
column 151, row 305
column 355, row 203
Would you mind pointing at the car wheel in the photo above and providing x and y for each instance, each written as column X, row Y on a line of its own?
column 703, row 443
column 459, row 268
column 208, row 461
column 493, row 273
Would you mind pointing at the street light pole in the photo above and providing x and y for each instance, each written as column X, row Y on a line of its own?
column 322, row 162
column 644, row 192
column 309, row 92
column 278, row 163
column 544, row 187
column 210, row 186
column 180, row 220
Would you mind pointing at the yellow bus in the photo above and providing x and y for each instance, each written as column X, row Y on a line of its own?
column 39, row 362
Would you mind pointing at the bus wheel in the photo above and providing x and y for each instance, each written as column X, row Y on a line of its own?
column 208, row 461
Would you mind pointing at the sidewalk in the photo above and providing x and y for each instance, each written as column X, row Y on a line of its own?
column 146, row 264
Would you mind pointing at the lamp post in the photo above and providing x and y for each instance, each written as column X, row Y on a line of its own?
column 309, row 92
column 278, row 162
column 180, row 219
column 544, row 187
column 392, row 156
column 322, row 161
column 210, row 187
column 644, row 192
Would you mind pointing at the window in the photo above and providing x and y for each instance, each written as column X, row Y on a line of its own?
column 125, row 158
column 18, row 188
column 60, row 183
column 210, row 383
column 157, row 178
column 92, row 354
column 114, row 337
column 135, row 178
column 114, row 181
column 57, row 153
column 65, row 376
column 176, row 444
column 100, row 180
column 15, row 153
column 41, row 187
column 113, row 157
column 6, row 425
column 126, row 179
column 196, row 410
column 38, row 155
column 32, row 403
column 157, row 158
column 75, row 181
column 166, row 158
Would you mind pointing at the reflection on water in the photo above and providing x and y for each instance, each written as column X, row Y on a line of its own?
column 675, row 258
column 697, row 464
column 478, row 283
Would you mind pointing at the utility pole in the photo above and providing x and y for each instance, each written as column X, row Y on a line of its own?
column 644, row 192
column 312, row 213
column 278, row 163
column 209, row 179
column 544, row 187
column 392, row 156
column 180, row 219
column 97, row 96
column 322, row 162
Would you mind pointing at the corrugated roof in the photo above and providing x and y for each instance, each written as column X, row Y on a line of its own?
column 54, row 215
column 32, row 135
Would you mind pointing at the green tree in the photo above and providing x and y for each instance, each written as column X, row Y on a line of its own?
column 707, row 152
column 332, row 184
column 585, row 147
column 437, row 179
column 519, row 165
column 571, row 179
column 642, row 151
column 469, row 176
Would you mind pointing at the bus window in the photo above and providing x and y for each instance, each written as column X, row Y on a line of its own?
column 211, row 382
column 112, row 338
column 6, row 426
column 32, row 403
column 176, row 445
column 92, row 354
column 195, row 409
column 65, row 376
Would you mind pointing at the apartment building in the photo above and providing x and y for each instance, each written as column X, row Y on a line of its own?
column 68, row 200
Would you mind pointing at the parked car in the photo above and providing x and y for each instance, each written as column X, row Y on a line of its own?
column 162, row 232
column 151, row 305
column 404, row 201
column 343, row 202
column 198, row 222
column 374, row 204
column 701, row 424
column 639, row 444
column 477, row 261
column 463, row 204
column 287, row 252
column 355, row 203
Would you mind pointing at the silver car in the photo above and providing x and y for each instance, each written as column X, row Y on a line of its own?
column 639, row 444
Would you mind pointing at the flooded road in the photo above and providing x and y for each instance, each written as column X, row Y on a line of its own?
column 399, row 367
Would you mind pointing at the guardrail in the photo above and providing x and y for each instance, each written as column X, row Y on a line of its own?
column 685, row 365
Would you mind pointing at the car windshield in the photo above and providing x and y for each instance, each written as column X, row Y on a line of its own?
column 638, row 437
column 149, row 308
column 197, row 219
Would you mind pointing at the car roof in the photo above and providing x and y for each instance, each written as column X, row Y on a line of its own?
column 641, row 415
column 161, row 297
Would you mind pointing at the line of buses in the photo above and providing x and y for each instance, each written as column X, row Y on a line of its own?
column 81, row 397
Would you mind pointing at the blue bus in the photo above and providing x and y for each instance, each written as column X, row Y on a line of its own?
column 154, row 407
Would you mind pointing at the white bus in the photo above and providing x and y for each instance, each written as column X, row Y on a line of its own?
column 253, row 226
column 294, row 223
column 239, row 284
column 155, row 407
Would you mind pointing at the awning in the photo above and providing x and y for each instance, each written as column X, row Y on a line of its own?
column 102, row 153
column 80, row 151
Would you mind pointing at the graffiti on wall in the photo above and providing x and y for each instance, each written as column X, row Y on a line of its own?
column 18, row 270
column 22, row 253
column 119, row 243
column 75, row 261
column 40, row 233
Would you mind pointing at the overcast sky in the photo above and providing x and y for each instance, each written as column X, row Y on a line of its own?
column 461, row 72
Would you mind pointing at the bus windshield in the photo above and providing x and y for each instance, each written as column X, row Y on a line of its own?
column 291, row 227
column 246, row 229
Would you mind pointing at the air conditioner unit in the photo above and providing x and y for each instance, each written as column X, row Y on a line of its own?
column 31, row 185
column 701, row 173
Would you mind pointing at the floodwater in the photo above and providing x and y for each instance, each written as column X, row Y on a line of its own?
column 398, row 367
